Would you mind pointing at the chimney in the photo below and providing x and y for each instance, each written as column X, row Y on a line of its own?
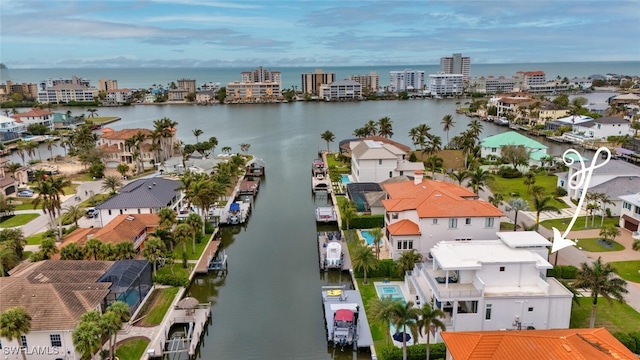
column 418, row 176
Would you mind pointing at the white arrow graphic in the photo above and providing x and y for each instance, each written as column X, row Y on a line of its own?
column 579, row 180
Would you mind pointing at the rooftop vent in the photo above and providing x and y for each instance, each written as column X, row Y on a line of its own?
column 130, row 218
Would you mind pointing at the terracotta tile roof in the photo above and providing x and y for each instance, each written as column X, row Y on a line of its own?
column 122, row 228
column 56, row 293
column 123, row 134
column 570, row 344
column 404, row 227
column 33, row 113
column 436, row 199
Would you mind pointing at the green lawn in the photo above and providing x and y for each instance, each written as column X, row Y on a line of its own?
column 506, row 226
column 132, row 349
column 561, row 224
column 628, row 270
column 101, row 119
column 177, row 251
column 23, row 204
column 592, row 245
column 35, row 239
column 17, row 220
column 515, row 188
column 378, row 331
column 613, row 316
column 177, row 268
column 155, row 311
column 94, row 200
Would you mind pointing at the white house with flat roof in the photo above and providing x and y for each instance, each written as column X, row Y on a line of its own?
column 492, row 284
column 375, row 161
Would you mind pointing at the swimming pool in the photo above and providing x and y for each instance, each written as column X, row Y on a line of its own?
column 385, row 290
column 367, row 237
column 345, row 179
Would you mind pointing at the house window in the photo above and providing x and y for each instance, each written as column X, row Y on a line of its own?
column 23, row 341
column 467, row 221
column 435, row 221
column 487, row 312
column 139, row 211
column 56, row 341
column 494, row 150
column 0, row 344
column 394, row 216
column 501, row 268
column 121, row 212
column 467, row 307
column 405, row 245
column 637, row 209
column 531, row 309
column 109, row 211
column 390, row 174
column 626, row 205
column 380, row 162
column 401, row 173
column 488, row 222
column 453, row 223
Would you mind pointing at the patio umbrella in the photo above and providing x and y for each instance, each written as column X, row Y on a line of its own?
column 188, row 303
column 399, row 335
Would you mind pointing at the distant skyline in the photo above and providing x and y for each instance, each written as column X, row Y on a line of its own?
column 202, row 33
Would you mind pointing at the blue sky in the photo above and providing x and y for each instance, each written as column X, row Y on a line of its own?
column 203, row 33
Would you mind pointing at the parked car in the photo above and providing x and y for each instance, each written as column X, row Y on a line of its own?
column 25, row 193
column 92, row 212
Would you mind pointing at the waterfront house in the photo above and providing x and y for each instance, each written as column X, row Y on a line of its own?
column 421, row 212
column 598, row 129
column 630, row 213
column 119, row 96
column 377, row 160
column 10, row 129
column 113, row 143
column 141, row 196
column 557, row 344
column 549, row 111
column 492, row 285
column 492, row 145
column 126, row 227
column 35, row 116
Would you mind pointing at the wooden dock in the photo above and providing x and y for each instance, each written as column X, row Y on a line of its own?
column 209, row 254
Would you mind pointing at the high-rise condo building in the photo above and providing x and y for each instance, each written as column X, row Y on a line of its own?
column 406, row 80
column 107, row 84
column 311, row 82
column 456, row 64
column 369, row 82
column 261, row 75
column 187, row 84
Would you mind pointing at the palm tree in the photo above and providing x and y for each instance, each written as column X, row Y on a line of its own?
column 348, row 213
column 87, row 336
column 110, row 324
column 75, row 212
column 609, row 233
column 8, row 258
column 496, row 199
column 529, row 178
column 405, row 316
column 636, row 245
column 118, row 313
column 195, row 223
column 12, row 168
column 408, row 260
column 430, row 319
column 460, row 176
column 329, row 137
column 377, row 237
column 15, row 322
column 21, row 147
column 385, row 129
column 72, row 252
column 92, row 112
column 601, row 280
column 478, row 179
column 518, row 205
column 541, row 204
column 182, row 234
column 154, row 250
column 197, row 133
column 167, row 218
column 371, row 128
column 364, row 259
column 111, row 183
column 380, row 310
column 92, row 248
column 125, row 251
column 50, row 142
column 604, row 201
column 447, row 123
column 47, row 248
column 58, row 184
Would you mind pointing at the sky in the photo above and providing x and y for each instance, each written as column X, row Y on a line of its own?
column 203, row 33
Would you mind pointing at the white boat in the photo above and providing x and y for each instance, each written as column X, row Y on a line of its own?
column 502, row 121
column 334, row 256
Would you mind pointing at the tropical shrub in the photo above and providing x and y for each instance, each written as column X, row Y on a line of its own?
column 172, row 280
column 415, row 352
column 365, row 222
column 509, row 172
column 563, row 272
column 560, row 192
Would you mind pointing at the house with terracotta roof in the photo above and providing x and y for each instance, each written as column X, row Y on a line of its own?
column 113, row 143
column 376, row 160
column 566, row 344
column 35, row 116
column 56, row 294
column 420, row 213
column 126, row 227
column 141, row 196
column 493, row 284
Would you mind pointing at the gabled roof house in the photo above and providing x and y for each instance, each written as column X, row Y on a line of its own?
column 492, row 145
column 419, row 213
column 141, row 196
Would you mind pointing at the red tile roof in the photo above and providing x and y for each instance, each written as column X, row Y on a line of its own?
column 404, row 227
column 436, row 199
column 32, row 113
column 561, row 344
column 123, row 134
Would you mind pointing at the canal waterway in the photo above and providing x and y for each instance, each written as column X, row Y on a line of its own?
column 268, row 305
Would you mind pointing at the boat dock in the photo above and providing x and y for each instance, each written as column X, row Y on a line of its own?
column 194, row 319
column 336, row 298
column 210, row 253
column 234, row 213
column 324, row 240
column 326, row 214
column 249, row 187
